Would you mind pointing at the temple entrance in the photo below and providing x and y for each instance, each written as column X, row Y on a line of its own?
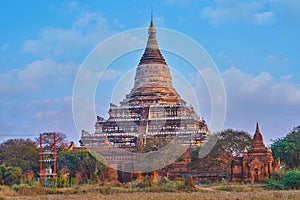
column 255, row 174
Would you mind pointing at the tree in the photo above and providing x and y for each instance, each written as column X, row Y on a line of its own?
column 10, row 175
column 20, row 152
column 234, row 141
column 13, row 175
column 48, row 140
column 285, row 180
column 217, row 161
column 231, row 143
column 67, row 161
column 91, row 166
column 2, row 173
column 288, row 149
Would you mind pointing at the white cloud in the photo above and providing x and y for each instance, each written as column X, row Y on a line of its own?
column 229, row 12
column 29, row 119
column 48, row 116
column 39, row 75
column 73, row 5
column 86, row 19
column 159, row 21
column 41, row 72
column 87, row 30
column 290, row 9
column 232, row 11
column 84, row 113
column 24, row 99
column 274, row 102
column 262, row 89
column 263, row 18
column 37, row 71
column 60, row 119
column 9, row 86
column 54, row 42
column 44, row 104
column 36, row 88
column 109, row 75
column 261, row 98
column 118, row 24
column 248, row 87
column 277, row 59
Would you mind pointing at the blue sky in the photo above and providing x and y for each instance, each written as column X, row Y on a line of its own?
column 255, row 45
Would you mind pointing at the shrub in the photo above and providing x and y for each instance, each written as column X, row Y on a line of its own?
column 278, row 176
column 180, row 185
column 292, row 179
column 288, row 180
column 274, row 185
column 189, row 183
column 165, row 185
column 145, row 183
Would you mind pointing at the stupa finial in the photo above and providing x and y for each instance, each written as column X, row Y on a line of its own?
column 151, row 13
column 151, row 27
column 257, row 128
column 258, row 141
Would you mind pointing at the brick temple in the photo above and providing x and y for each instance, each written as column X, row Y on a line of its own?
column 257, row 163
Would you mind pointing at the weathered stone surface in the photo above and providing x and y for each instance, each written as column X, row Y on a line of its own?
column 152, row 108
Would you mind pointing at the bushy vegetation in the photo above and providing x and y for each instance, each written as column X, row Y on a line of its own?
column 288, row 180
column 230, row 143
column 292, row 179
column 288, row 149
column 164, row 185
column 10, row 175
column 80, row 167
column 22, row 153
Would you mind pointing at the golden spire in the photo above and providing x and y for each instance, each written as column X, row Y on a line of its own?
column 152, row 53
column 151, row 27
column 151, row 13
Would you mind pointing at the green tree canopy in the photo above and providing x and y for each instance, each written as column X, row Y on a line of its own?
column 234, row 141
column 20, row 152
column 230, row 143
column 288, row 149
column 90, row 165
column 10, row 175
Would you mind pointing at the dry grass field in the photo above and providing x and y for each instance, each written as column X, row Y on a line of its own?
column 220, row 195
column 209, row 193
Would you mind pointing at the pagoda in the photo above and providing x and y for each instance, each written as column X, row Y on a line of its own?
column 257, row 163
column 152, row 109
